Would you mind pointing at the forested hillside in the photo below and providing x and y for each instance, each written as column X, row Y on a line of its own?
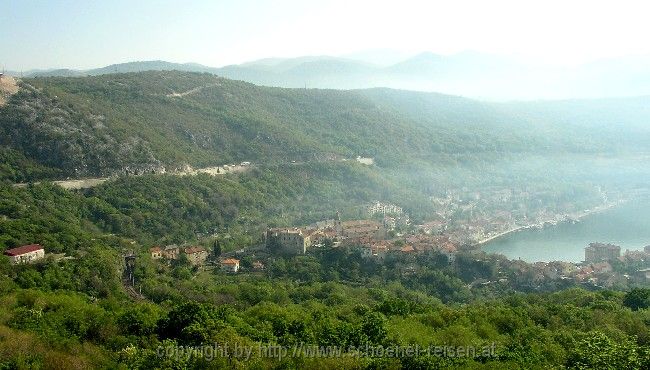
column 75, row 313
column 149, row 121
column 423, row 144
column 141, row 122
column 78, row 308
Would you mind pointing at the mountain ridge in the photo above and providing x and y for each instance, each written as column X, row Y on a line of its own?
column 148, row 121
column 472, row 74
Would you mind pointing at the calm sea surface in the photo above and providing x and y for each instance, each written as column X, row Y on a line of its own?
column 627, row 225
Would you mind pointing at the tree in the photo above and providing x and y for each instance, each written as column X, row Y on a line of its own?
column 246, row 262
column 328, row 243
column 182, row 316
column 140, row 319
column 374, row 326
column 637, row 298
column 216, row 248
column 598, row 351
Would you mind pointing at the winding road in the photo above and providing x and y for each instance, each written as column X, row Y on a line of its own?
column 92, row 182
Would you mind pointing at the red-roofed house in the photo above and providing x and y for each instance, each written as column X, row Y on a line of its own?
column 362, row 230
column 171, row 252
column 25, row 254
column 230, row 265
column 196, row 255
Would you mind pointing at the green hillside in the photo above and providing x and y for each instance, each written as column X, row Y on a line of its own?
column 144, row 122
column 85, row 311
column 77, row 313
column 134, row 123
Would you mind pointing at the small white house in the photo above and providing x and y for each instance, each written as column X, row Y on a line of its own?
column 25, row 254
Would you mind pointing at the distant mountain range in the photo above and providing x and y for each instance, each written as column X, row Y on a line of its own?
column 468, row 74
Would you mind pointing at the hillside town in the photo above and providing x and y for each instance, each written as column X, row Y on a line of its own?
column 387, row 236
column 473, row 217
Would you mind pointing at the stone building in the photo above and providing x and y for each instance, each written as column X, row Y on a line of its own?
column 171, row 252
column 196, row 255
column 361, row 231
column 156, row 253
column 25, row 254
column 598, row 252
column 289, row 240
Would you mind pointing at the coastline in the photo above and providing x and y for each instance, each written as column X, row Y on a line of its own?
column 577, row 216
column 500, row 235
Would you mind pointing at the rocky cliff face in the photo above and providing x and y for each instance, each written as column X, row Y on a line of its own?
column 60, row 136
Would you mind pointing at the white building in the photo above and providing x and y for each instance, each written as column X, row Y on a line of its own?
column 25, row 254
column 383, row 208
column 230, row 265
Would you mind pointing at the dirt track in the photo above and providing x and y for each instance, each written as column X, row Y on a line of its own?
column 92, row 182
column 8, row 87
column 188, row 171
column 189, row 92
column 81, row 184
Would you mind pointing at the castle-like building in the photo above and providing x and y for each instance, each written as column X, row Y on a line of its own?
column 599, row 252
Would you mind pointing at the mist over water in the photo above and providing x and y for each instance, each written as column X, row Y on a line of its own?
column 627, row 225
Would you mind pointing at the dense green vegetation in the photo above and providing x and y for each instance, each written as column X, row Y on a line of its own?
column 16, row 168
column 154, row 209
column 129, row 123
column 167, row 208
column 75, row 326
column 75, row 313
column 142, row 122
column 76, row 309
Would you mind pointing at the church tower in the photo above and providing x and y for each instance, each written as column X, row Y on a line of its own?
column 337, row 224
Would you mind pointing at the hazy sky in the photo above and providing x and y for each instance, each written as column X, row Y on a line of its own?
column 88, row 34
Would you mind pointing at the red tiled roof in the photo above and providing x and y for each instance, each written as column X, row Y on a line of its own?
column 155, row 249
column 230, row 261
column 448, row 247
column 192, row 250
column 22, row 250
column 407, row 249
column 360, row 224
